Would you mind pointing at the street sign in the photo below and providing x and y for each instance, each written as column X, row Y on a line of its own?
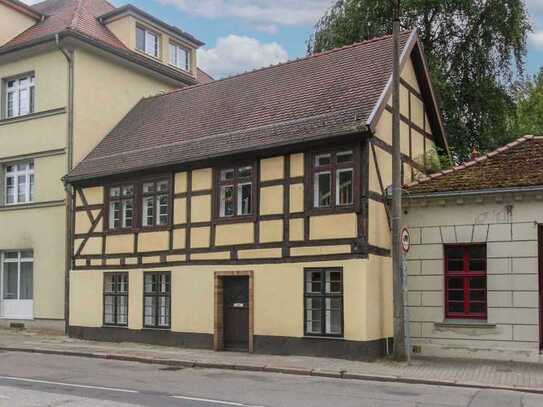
column 406, row 240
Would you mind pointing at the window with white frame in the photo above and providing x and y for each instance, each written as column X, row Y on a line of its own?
column 180, row 57
column 236, row 191
column 147, row 41
column 155, row 203
column 20, row 97
column 333, row 176
column 17, row 275
column 19, row 183
column 121, row 207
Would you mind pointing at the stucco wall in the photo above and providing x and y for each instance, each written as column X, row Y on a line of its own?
column 13, row 23
column 509, row 230
column 104, row 92
column 278, row 298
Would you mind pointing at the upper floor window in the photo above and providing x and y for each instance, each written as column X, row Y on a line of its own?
column 465, row 281
column 180, row 57
column 121, row 207
column 147, row 41
column 236, row 191
column 333, row 179
column 155, row 203
column 20, row 96
column 19, row 183
column 144, row 204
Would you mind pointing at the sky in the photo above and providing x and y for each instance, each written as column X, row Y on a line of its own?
column 241, row 35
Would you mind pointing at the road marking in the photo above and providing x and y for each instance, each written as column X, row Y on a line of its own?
column 82, row 386
column 224, row 403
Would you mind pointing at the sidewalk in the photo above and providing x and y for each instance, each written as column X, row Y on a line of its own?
column 448, row 372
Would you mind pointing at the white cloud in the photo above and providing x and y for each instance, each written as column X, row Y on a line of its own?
column 236, row 54
column 536, row 39
column 276, row 12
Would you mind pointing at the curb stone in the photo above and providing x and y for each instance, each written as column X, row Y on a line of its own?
column 275, row 369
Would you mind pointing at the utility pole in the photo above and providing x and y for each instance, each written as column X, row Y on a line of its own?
column 400, row 351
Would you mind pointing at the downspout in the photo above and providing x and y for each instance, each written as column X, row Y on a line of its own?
column 69, row 55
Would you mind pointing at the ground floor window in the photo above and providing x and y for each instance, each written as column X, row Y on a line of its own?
column 465, row 281
column 17, row 275
column 116, row 299
column 157, row 300
column 323, row 301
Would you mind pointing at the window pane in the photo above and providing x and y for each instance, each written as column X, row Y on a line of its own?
column 456, row 295
column 10, row 190
column 333, row 282
column 323, row 159
column 122, row 310
column 323, row 189
column 148, row 211
column 10, row 281
column 109, row 283
column 149, row 311
column 344, row 156
column 313, row 282
column 11, row 105
column 173, row 55
column 477, row 283
column 227, row 201
column 454, row 252
column 455, row 265
column 477, row 308
column 140, row 39
column 477, row 252
column 114, row 215
column 162, row 186
column 26, row 281
column 455, row 283
column 477, row 265
column 333, row 316
column 109, row 309
column 244, row 199
column 115, row 192
column 148, row 187
column 313, row 316
column 27, row 255
column 32, row 106
column 164, row 311
column 21, row 187
column 227, row 174
column 344, row 185
column 31, row 197
column 245, row 172
column 162, row 202
column 477, row 295
column 128, row 190
column 151, row 44
column 148, row 283
column 455, row 307
column 128, row 213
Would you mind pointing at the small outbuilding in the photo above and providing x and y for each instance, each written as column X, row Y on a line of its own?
column 475, row 277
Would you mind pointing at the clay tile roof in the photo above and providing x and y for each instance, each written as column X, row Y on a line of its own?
column 333, row 93
column 518, row 164
column 76, row 15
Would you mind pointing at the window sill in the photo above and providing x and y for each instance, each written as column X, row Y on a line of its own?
column 331, row 211
column 148, row 328
column 326, row 338
column 235, row 219
column 115, row 326
column 181, row 69
column 5, row 121
column 465, row 323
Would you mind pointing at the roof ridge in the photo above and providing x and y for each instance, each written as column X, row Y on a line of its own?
column 472, row 162
column 76, row 17
column 289, row 62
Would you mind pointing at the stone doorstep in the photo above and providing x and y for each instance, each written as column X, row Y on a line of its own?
column 275, row 369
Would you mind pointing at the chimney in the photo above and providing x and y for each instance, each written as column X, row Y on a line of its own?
column 475, row 153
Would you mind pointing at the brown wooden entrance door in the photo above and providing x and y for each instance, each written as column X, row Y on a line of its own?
column 236, row 313
column 540, row 246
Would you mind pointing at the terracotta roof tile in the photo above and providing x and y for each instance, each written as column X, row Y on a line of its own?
column 517, row 164
column 321, row 95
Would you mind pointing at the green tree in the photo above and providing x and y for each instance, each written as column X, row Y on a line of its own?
column 474, row 49
column 528, row 117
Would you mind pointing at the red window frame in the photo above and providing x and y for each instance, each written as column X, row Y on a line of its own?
column 467, row 276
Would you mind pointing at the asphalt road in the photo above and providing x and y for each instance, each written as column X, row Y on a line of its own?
column 44, row 380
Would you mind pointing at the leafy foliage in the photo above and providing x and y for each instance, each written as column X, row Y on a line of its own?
column 528, row 117
column 474, row 48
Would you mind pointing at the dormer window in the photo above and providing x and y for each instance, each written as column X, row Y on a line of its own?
column 147, row 41
column 180, row 57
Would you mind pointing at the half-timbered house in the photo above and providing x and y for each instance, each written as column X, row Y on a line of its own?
column 248, row 213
